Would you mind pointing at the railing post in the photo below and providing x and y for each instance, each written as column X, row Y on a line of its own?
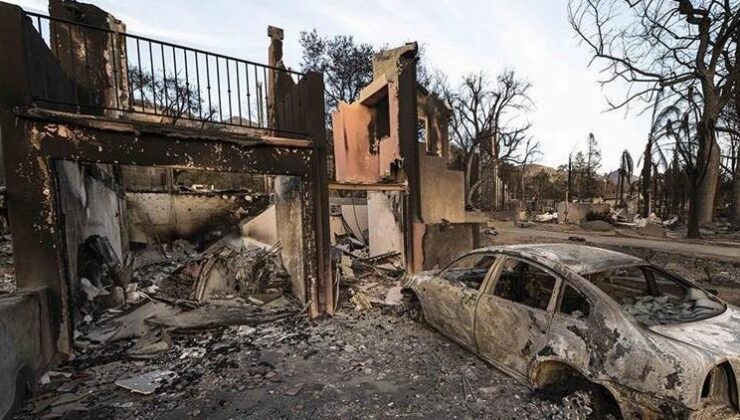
column 274, row 59
column 14, row 84
column 311, row 97
column 14, row 80
column 95, row 60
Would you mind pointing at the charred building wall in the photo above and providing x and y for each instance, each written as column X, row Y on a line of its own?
column 63, row 138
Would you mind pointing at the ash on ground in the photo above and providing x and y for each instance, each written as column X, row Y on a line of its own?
column 372, row 364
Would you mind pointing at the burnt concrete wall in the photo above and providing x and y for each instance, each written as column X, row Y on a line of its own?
column 262, row 227
column 164, row 217
column 26, row 344
column 290, row 221
column 95, row 60
column 385, row 218
column 442, row 190
column 154, row 179
column 355, row 156
column 436, row 114
column 436, row 245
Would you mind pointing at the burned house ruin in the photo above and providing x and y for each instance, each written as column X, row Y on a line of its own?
column 392, row 145
column 126, row 155
column 113, row 141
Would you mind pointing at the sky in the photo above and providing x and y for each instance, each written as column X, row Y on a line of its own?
column 459, row 37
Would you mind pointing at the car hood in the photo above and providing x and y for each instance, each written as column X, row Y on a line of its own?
column 718, row 335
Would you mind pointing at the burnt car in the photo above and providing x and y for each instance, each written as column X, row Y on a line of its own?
column 656, row 345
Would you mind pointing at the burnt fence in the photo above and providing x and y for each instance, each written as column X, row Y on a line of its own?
column 104, row 70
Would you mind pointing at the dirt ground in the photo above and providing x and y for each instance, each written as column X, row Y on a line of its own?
column 703, row 269
column 369, row 365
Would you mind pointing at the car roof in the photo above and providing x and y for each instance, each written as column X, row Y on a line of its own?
column 579, row 258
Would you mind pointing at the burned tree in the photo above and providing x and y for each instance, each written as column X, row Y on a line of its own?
column 168, row 95
column 654, row 155
column 730, row 132
column 488, row 126
column 624, row 180
column 669, row 46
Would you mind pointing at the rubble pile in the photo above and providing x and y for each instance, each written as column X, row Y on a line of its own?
column 232, row 267
column 173, row 289
column 664, row 310
column 550, row 216
column 367, row 280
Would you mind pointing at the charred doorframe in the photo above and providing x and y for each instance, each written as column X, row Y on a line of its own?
column 32, row 139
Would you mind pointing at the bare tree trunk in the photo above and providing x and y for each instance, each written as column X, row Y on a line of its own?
column 693, row 222
column 707, row 188
column 705, row 177
column 735, row 215
column 647, row 171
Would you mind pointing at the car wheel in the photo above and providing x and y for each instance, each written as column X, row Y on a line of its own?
column 586, row 400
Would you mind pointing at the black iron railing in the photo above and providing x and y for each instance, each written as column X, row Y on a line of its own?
column 126, row 73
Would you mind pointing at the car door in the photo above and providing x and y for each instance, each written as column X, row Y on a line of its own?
column 514, row 313
column 571, row 327
column 451, row 296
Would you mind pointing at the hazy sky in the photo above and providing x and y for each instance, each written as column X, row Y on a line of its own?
column 459, row 37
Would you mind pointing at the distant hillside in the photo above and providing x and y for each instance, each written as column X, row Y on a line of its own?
column 535, row 168
column 613, row 177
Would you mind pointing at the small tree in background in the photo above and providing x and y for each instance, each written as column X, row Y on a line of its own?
column 170, row 96
column 347, row 65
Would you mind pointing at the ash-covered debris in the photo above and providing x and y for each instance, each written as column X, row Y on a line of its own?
column 372, row 364
column 366, row 279
column 173, row 288
column 179, row 314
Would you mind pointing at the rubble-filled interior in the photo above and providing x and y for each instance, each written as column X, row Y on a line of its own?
column 155, row 250
column 367, row 246
column 653, row 298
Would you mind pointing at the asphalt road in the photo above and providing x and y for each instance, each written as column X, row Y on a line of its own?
column 728, row 253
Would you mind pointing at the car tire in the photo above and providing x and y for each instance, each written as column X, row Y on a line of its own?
column 582, row 398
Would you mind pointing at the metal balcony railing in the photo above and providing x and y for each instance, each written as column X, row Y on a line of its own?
column 145, row 76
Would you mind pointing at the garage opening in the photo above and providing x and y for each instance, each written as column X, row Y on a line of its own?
column 145, row 246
